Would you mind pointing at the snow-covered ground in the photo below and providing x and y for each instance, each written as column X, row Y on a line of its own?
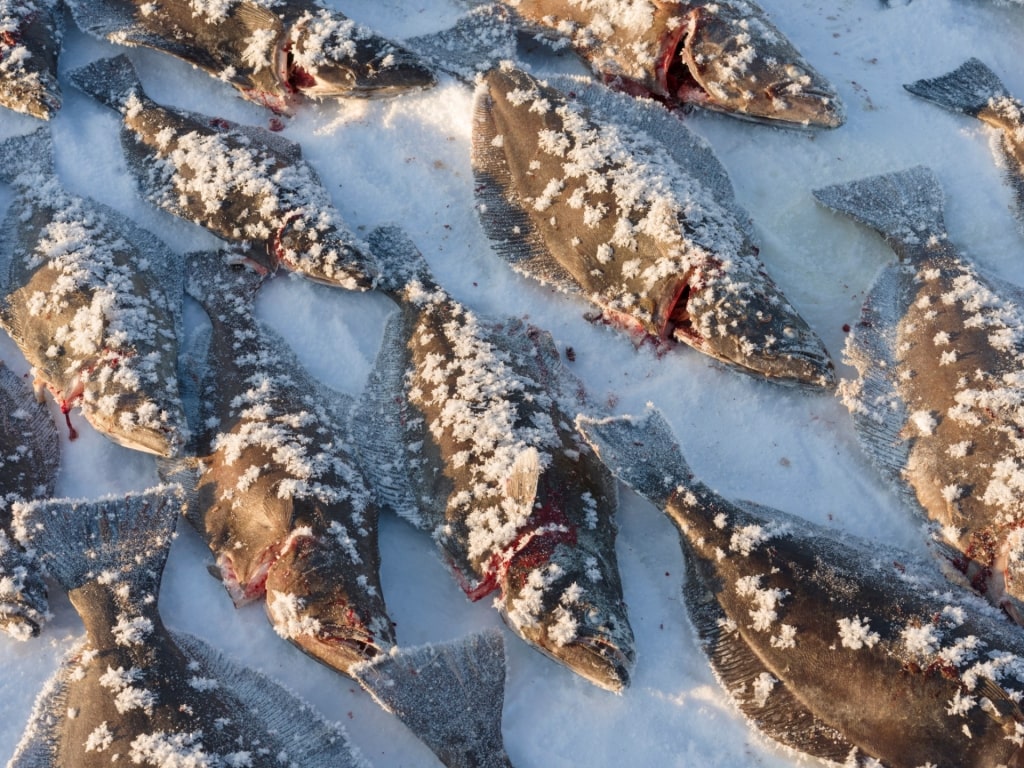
column 406, row 161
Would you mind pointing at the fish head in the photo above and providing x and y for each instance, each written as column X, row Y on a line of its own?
column 161, row 437
column 746, row 321
column 328, row 55
column 729, row 57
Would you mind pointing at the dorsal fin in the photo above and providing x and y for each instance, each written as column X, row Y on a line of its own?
column 969, row 88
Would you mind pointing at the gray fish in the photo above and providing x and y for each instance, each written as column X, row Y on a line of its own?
column 134, row 691
column 277, row 496
column 939, row 404
column 29, row 459
column 248, row 186
column 724, row 56
column 846, row 650
column 93, row 302
column 975, row 90
column 30, row 38
column 464, row 431
column 601, row 195
column 271, row 52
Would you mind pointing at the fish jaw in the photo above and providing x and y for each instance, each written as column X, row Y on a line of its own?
column 733, row 59
column 327, row 55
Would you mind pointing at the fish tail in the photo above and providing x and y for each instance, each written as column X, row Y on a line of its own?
column 80, row 540
column 904, row 207
column 218, row 284
column 969, row 88
column 399, row 259
column 110, row 81
column 29, row 156
column 642, row 453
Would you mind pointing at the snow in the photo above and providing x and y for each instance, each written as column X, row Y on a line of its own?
column 406, row 161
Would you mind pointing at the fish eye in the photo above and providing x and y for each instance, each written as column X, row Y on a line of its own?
column 789, row 332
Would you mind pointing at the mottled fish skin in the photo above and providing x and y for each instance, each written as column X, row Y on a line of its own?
column 134, row 689
column 29, row 460
column 598, row 207
column 273, row 53
column 975, row 90
column 30, row 38
column 247, row 186
column 842, row 649
column 724, row 56
column 483, row 445
column 92, row 303
column 940, row 399
column 278, row 499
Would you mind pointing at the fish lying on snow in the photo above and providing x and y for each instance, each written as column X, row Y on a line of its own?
column 724, row 56
column 248, row 186
column 30, row 39
column 93, row 301
column 842, row 649
column 601, row 195
column 464, row 430
column 975, row 90
column 29, row 459
column 271, row 52
column 939, row 404
column 134, row 692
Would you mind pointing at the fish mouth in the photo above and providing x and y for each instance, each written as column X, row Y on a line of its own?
column 340, row 647
column 40, row 102
column 597, row 659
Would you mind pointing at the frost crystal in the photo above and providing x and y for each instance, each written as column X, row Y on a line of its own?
column 856, row 633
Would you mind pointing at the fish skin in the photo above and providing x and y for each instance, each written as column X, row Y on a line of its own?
column 615, row 231
column 63, row 259
column 29, row 460
column 272, row 55
column 248, row 186
column 975, row 90
column 133, row 688
column 464, row 431
column 277, row 496
column 31, row 32
column 941, row 413
column 838, row 648
column 688, row 53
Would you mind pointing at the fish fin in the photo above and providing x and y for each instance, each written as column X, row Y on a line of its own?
column 110, row 81
column 30, row 154
column 502, row 216
column 778, row 714
column 77, row 540
column 642, row 453
column 274, row 709
column 476, row 42
column 969, row 88
column 40, row 741
column 905, row 207
column 378, row 425
column 450, row 695
column 38, row 434
column 23, row 606
column 521, row 485
column 399, row 259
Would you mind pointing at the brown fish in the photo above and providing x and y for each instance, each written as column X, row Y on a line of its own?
column 30, row 38
column 247, row 186
column 93, row 302
column 464, row 430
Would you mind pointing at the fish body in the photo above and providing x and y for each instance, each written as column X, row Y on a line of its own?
column 465, row 430
column 30, row 38
column 938, row 403
column 277, row 496
column 247, row 186
column 723, row 56
column 135, row 691
column 93, row 302
column 271, row 52
column 975, row 90
column 841, row 649
column 29, row 460
column 602, row 196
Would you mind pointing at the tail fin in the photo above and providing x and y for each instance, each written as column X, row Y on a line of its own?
column 904, row 207
column 399, row 259
column 969, row 88
column 476, row 42
column 79, row 540
column 450, row 695
column 29, row 156
column 110, row 81
column 642, row 453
